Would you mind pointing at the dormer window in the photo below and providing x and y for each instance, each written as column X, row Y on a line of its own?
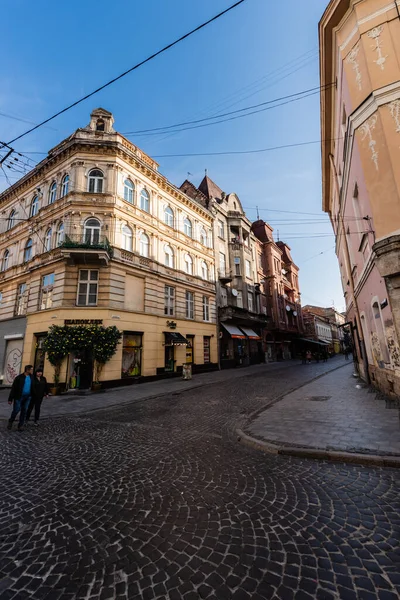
column 100, row 125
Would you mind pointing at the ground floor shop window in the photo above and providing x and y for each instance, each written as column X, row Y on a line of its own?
column 190, row 349
column 39, row 352
column 132, row 354
column 169, row 359
column 206, row 347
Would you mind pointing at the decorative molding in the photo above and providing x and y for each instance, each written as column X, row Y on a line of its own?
column 375, row 34
column 352, row 59
column 366, row 131
column 394, row 108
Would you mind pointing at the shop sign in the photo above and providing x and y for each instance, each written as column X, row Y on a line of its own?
column 83, row 321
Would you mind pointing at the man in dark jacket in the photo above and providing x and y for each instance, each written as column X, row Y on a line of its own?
column 20, row 394
column 39, row 390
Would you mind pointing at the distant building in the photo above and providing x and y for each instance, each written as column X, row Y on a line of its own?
column 360, row 131
column 336, row 321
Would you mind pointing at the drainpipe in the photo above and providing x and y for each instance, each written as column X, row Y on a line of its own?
column 360, row 334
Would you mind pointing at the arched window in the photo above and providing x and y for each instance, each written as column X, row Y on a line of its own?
column 203, row 237
column 48, row 239
column 145, row 200
column 91, row 231
column 11, row 219
column 169, row 216
column 127, row 238
column 168, row 256
column 34, row 209
column 5, row 260
column 187, row 227
column 129, row 189
column 188, row 264
column 144, row 245
column 204, row 270
column 96, row 179
column 60, row 235
column 100, row 125
column 65, row 186
column 28, row 250
column 53, row 192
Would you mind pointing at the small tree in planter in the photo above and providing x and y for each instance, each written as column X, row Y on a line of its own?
column 106, row 340
column 56, row 346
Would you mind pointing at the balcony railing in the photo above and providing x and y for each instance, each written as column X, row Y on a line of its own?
column 224, row 276
column 87, row 242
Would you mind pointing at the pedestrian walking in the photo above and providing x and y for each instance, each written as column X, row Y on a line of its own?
column 308, row 356
column 303, row 357
column 346, row 354
column 325, row 355
column 39, row 391
column 20, row 395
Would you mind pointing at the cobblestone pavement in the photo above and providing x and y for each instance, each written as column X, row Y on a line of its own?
column 332, row 413
column 158, row 500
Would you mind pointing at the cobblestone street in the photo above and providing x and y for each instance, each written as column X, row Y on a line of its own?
column 157, row 499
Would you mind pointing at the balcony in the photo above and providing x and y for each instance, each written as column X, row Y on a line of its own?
column 93, row 249
column 224, row 276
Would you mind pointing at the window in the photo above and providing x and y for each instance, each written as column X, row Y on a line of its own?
column 48, row 239
column 169, row 306
column 87, row 287
column 5, row 261
column 96, row 179
column 46, row 300
column 22, row 299
column 187, row 227
column 203, row 237
column 34, row 209
column 144, row 245
column 169, row 216
column 239, row 299
column 206, row 308
column 248, row 268
column 189, row 305
column 168, row 256
column 221, row 229
column 204, row 270
column 131, row 355
column 91, row 231
column 28, row 250
column 11, row 219
column 188, row 264
column 206, row 349
column 60, row 235
column 100, row 125
column 127, row 238
column 64, row 186
column 145, row 200
column 222, row 263
column 250, row 302
column 223, row 296
column 129, row 189
column 237, row 265
column 53, row 192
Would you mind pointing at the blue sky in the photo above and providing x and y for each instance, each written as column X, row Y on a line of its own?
column 260, row 51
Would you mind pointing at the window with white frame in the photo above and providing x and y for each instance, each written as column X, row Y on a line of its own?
column 239, row 299
column 95, row 181
column 48, row 239
column 12, row 217
column 60, row 235
column 64, row 186
column 87, row 287
column 127, row 238
column 221, row 229
column 204, row 270
column 53, row 192
column 222, row 263
column 129, row 190
column 46, row 297
column 144, row 245
column 169, row 305
column 28, row 250
column 250, row 301
column 34, row 208
column 189, row 297
column 91, row 231
column 187, row 227
column 188, row 264
column 169, row 216
column 206, row 308
column 248, row 268
column 237, row 265
column 145, row 200
column 22, row 299
column 168, row 256
column 203, row 237
column 5, row 260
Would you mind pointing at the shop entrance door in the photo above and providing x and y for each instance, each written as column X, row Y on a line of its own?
column 169, row 359
column 81, row 370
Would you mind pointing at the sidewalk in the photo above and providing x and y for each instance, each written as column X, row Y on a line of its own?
column 327, row 416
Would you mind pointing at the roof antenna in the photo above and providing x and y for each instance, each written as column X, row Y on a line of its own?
column 277, row 231
column 258, row 214
column 205, row 170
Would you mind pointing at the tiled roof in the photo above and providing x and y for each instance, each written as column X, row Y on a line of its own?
column 210, row 189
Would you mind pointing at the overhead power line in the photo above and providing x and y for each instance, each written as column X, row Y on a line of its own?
column 140, row 64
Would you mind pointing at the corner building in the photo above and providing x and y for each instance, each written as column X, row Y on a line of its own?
column 96, row 234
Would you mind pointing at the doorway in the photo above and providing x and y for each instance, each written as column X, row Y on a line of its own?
column 81, row 370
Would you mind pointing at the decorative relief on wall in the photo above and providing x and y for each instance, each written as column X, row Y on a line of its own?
column 393, row 347
column 394, row 108
column 366, row 132
column 352, row 60
column 374, row 34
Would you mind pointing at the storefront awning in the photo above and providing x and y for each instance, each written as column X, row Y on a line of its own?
column 233, row 331
column 311, row 341
column 324, row 342
column 172, row 338
column 252, row 335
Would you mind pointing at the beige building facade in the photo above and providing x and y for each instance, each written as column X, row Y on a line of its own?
column 360, row 130
column 96, row 233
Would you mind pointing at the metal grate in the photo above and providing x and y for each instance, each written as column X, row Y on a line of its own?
column 317, row 398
